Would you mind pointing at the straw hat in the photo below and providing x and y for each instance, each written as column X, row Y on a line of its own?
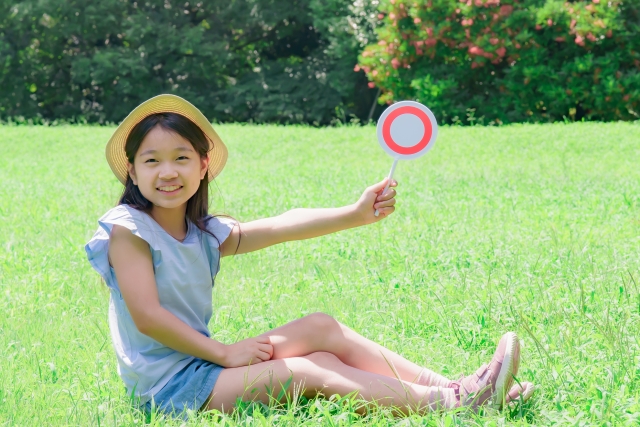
column 163, row 104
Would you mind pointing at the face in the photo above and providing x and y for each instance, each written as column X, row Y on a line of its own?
column 166, row 169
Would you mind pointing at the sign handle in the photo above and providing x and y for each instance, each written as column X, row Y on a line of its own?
column 386, row 187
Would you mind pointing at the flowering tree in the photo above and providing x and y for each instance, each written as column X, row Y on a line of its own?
column 509, row 60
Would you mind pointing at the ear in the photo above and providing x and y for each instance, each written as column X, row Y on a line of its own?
column 132, row 173
column 204, row 167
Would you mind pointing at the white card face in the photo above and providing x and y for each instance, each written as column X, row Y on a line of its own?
column 407, row 130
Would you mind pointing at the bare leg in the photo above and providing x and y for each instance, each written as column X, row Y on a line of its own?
column 324, row 373
column 320, row 332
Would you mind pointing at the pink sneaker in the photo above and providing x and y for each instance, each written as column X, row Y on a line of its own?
column 489, row 384
column 519, row 393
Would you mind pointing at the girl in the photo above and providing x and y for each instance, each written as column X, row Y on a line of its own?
column 159, row 251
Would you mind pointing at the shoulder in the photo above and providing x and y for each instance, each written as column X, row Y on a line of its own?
column 124, row 224
column 123, row 215
column 220, row 227
column 121, row 234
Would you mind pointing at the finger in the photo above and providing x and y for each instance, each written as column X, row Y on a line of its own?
column 267, row 348
column 379, row 186
column 263, row 339
column 263, row 356
column 394, row 183
column 384, row 204
column 389, row 194
column 385, row 212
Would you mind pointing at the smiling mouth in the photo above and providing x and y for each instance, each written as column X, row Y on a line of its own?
column 169, row 188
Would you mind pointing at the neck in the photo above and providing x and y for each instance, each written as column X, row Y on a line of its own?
column 171, row 220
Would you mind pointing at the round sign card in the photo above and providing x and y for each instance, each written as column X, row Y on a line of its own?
column 407, row 130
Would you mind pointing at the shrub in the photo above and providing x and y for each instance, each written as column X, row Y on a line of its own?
column 510, row 60
column 249, row 60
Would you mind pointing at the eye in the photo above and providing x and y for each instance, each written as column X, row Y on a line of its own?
column 183, row 158
column 150, row 160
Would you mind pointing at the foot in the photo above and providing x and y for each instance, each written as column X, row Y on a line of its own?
column 489, row 384
column 519, row 393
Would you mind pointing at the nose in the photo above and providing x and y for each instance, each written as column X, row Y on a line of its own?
column 167, row 172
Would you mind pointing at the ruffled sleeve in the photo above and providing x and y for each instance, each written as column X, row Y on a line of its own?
column 97, row 248
column 220, row 227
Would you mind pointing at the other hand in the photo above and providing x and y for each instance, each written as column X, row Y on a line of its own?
column 373, row 199
column 248, row 352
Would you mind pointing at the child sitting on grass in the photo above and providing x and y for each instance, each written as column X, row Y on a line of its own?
column 159, row 251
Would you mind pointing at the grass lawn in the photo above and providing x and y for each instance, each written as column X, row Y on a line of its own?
column 531, row 228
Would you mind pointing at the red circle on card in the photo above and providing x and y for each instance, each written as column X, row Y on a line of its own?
column 386, row 130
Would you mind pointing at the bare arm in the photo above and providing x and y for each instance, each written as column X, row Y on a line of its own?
column 299, row 224
column 131, row 259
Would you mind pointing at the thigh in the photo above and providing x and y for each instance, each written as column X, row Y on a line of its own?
column 264, row 381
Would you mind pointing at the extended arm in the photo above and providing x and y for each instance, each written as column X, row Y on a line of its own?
column 299, row 224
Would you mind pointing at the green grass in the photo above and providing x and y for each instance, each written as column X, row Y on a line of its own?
column 532, row 228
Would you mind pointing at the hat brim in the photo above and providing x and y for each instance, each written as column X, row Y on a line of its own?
column 116, row 156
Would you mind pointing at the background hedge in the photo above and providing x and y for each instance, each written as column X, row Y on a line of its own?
column 501, row 61
column 293, row 61
column 261, row 60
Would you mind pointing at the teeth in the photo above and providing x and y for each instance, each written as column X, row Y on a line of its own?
column 169, row 188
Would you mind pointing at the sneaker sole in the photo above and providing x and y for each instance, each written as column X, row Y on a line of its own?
column 508, row 370
column 524, row 395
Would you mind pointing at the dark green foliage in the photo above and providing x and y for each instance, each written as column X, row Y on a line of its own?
column 260, row 60
column 510, row 60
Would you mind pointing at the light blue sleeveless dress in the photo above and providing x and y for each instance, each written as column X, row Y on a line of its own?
column 154, row 374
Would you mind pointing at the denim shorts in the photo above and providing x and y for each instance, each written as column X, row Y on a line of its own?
column 188, row 389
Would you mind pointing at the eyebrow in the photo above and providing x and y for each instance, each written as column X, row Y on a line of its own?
column 155, row 151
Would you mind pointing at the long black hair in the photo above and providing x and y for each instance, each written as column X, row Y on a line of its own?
column 198, row 204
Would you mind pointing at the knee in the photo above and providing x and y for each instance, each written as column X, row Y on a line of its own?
column 323, row 359
column 321, row 322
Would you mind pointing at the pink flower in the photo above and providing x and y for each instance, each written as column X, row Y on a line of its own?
column 395, row 63
column 416, row 20
column 501, row 51
column 560, row 39
column 494, row 40
column 356, row 68
column 506, row 10
column 579, row 40
column 467, row 22
column 371, row 85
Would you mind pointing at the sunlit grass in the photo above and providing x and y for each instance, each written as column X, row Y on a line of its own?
column 534, row 229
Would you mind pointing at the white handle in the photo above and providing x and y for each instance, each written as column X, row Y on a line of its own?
column 386, row 187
